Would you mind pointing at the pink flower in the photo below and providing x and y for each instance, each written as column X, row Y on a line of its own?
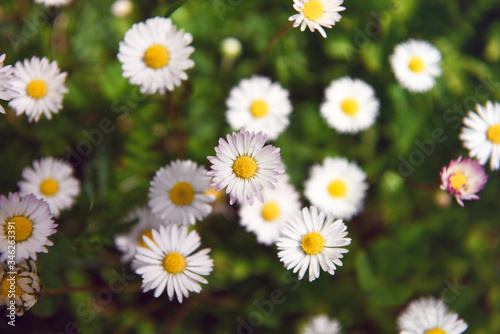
column 463, row 179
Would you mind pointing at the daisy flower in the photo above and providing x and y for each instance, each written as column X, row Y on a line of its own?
column 41, row 86
column 316, row 13
column 337, row 186
column 312, row 239
column 321, row 324
column 266, row 219
column 430, row 316
column 463, row 179
column 481, row 134
column 53, row 181
column 127, row 243
column 27, row 222
column 167, row 262
column 350, row 106
column 122, row 8
column 154, row 55
column 244, row 166
column 415, row 63
column 177, row 193
column 22, row 278
column 6, row 79
column 55, row 3
column 259, row 104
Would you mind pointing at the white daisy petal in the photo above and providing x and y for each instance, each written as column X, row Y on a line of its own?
column 322, row 324
column 55, row 3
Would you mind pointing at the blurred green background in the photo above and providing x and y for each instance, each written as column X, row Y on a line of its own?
column 409, row 241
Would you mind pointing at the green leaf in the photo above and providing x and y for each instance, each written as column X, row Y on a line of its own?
column 366, row 277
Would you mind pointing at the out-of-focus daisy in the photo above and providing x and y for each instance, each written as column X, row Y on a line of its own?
column 415, row 63
column 231, row 47
column 266, row 219
column 177, row 193
column 350, row 105
column 154, row 55
column 28, row 222
column 22, row 278
column 322, row 324
column 168, row 263
column 258, row 104
column 53, row 181
column 316, row 13
column 337, row 186
column 6, row 79
column 481, row 134
column 463, row 179
column 245, row 166
column 55, row 3
column 127, row 243
column 41, row 87
column 122, row 8
column 312, row 239
column 430, row 316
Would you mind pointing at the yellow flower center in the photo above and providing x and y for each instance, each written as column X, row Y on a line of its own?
column 337, row 189
column 350, row 106
column 259, row 108
column 416, row 64
column 5, row 287
column 312, row 243
column 174, row 263
column 244, row 167
column 435, row 331
column 182, row 193
column 493, row 134
column 313, row 10
column 22, row 226
column 457, row 181
column 147, row 233
column 49, row 186
column 270, row 211
column 156, row 56
column 37, row 89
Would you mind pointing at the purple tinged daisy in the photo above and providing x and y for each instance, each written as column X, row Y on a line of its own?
column 463, row 179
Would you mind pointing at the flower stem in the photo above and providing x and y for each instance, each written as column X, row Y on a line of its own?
column 270, row 45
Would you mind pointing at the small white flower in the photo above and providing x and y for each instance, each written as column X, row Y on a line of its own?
column 245, row 166
column 415, row 63
column 350, row 106
column 55, row 3
column 122, row 8
column 322, row 324
column 231, row 47
column 316, row 13
column 481, row 134
column 154, row 55
column 266, row 219
column 41, row 86
column 430, row 316
column 177, row 193
column 127, row 243
column 312, row 239
column 337, row 186
column 168, row 263
column 6, row 79
column 53, row 181
column 258, row 104
column 31, row 222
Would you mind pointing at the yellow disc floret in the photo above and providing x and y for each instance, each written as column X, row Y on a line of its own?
column 174, row 263
column 259, row 108
column 457, row 181
column 337, row 189
column 313, row 10
column 23, row 227
column 312, row 243
column 37, row 89
column 245, row 167
column 416, row 64
column 156, row 56
column 493, row 134
column 435, row 331
column 49, row 186
column 350, row 106
column 182, row 193
column 270, row 211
